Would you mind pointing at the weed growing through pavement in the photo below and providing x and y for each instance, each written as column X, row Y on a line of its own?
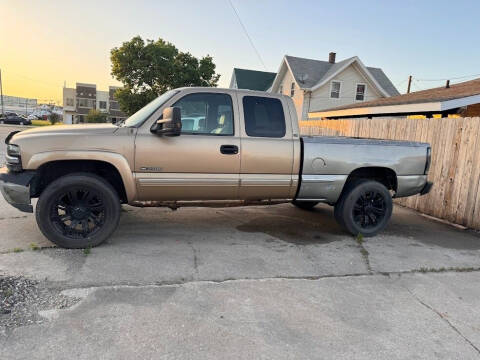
column 34, row 246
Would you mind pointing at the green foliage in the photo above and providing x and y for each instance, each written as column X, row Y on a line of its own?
column 149, row 68
column 17, row 250
column 96, row 116
column 34, row 246
column 87, row 250
column 54, row 118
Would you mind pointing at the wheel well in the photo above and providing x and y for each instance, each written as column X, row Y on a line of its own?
column 51, row 171
column 383, row 175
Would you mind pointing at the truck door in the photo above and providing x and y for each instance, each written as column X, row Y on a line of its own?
column 267, row 154
column 203, row 163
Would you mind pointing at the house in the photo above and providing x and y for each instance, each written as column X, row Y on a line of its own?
column 251, row 79
column 462, row 98
column 78, row 101
column 315, row 85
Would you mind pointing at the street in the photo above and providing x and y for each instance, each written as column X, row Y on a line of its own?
column 243, row 283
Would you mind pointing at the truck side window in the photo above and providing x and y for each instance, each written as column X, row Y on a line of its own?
column 206, row 114
column 263, row 117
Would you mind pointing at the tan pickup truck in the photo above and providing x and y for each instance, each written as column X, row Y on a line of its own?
column 203, row 146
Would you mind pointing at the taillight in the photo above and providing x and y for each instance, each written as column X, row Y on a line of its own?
column 429, row 160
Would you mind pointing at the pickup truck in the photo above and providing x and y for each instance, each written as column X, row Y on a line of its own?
column 244, row 148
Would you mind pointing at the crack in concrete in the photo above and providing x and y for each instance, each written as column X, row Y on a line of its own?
column 195, row 258
column 441, row 316
column 226, row 280
column 365, row 254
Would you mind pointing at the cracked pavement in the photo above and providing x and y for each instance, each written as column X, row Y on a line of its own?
column 246, row 283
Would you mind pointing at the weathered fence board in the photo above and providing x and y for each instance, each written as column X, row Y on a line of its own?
column 455, row 168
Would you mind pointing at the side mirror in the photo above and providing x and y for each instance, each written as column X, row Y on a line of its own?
column 170, row 123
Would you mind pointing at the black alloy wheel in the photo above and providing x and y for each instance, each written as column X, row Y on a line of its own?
column 365, row 207
column 78, row 212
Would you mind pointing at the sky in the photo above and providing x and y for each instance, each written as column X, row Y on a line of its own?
column 46, row 44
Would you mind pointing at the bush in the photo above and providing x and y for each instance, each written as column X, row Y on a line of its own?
column 54, row 118
column 96, row 116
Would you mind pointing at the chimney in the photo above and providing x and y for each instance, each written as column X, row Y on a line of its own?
column 447, row 85
column 331, row 58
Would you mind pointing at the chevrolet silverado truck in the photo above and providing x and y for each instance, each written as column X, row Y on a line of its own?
column 203, row 146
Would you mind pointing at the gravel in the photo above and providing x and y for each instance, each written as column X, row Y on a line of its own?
column 21, row 299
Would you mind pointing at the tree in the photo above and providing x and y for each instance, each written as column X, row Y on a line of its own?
column 149, row 68
column 54, row 118
column 96, row 116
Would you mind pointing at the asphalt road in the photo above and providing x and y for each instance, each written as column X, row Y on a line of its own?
column 249, row 283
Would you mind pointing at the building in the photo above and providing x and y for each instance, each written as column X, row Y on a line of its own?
column 315, row 85
column 78, row 101
column 251, row 79
column 459, row 99
column 19, row 105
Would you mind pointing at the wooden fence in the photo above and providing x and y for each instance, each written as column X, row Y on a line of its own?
column 455, row 168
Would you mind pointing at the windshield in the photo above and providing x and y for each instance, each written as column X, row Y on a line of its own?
column 144, row 113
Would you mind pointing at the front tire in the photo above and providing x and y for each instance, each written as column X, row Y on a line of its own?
column 365, row 208
column 78, row 211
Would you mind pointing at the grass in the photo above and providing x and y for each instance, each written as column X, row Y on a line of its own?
column 87, row 250
column 17, row 250
column 44, row 123
column 34, row 246
column 359, row 239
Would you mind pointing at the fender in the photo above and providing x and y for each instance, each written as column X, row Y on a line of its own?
column 117, row 160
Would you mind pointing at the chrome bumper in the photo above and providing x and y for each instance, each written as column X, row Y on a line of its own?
column 15, row 189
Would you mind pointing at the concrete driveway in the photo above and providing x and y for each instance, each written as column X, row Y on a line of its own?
column 243, row 283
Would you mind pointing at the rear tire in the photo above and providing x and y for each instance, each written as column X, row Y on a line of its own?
column 305, row 205
column 364, row 208
column 78, row 211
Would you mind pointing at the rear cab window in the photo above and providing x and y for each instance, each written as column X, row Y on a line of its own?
column 264, row 117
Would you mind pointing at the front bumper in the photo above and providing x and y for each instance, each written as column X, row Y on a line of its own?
column 15, row 188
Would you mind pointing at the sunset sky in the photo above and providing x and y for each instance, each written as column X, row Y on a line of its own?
column 46, row 43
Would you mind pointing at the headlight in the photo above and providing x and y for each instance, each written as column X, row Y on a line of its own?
column 13, row 150
column 13, row 158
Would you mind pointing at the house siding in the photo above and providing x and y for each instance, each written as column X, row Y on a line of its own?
column 349, row 78
column 286, row 83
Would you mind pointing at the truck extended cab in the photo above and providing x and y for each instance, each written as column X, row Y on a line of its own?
column 202, row 146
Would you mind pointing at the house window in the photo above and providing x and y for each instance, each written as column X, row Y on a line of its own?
column 102, row 104
column 292, row 90
column 86, row 103
column 360, row 94
column 335, row 90
column 280, row 89
column 69, row 102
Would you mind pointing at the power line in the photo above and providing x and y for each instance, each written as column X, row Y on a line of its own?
column 451, row 78
column 246, row 33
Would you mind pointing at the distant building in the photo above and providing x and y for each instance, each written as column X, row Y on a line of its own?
column 78, row 101
column 19, row 105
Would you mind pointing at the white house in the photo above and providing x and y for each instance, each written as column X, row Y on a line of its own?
column 315, row 85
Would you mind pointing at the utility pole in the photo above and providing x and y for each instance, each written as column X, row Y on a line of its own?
column 1, row 90
column 409, row 84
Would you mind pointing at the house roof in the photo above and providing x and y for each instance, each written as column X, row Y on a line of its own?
column 253, row 79
column 436, row 99
column 308, row 72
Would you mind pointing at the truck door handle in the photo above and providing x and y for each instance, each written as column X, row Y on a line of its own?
column 229, row 149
